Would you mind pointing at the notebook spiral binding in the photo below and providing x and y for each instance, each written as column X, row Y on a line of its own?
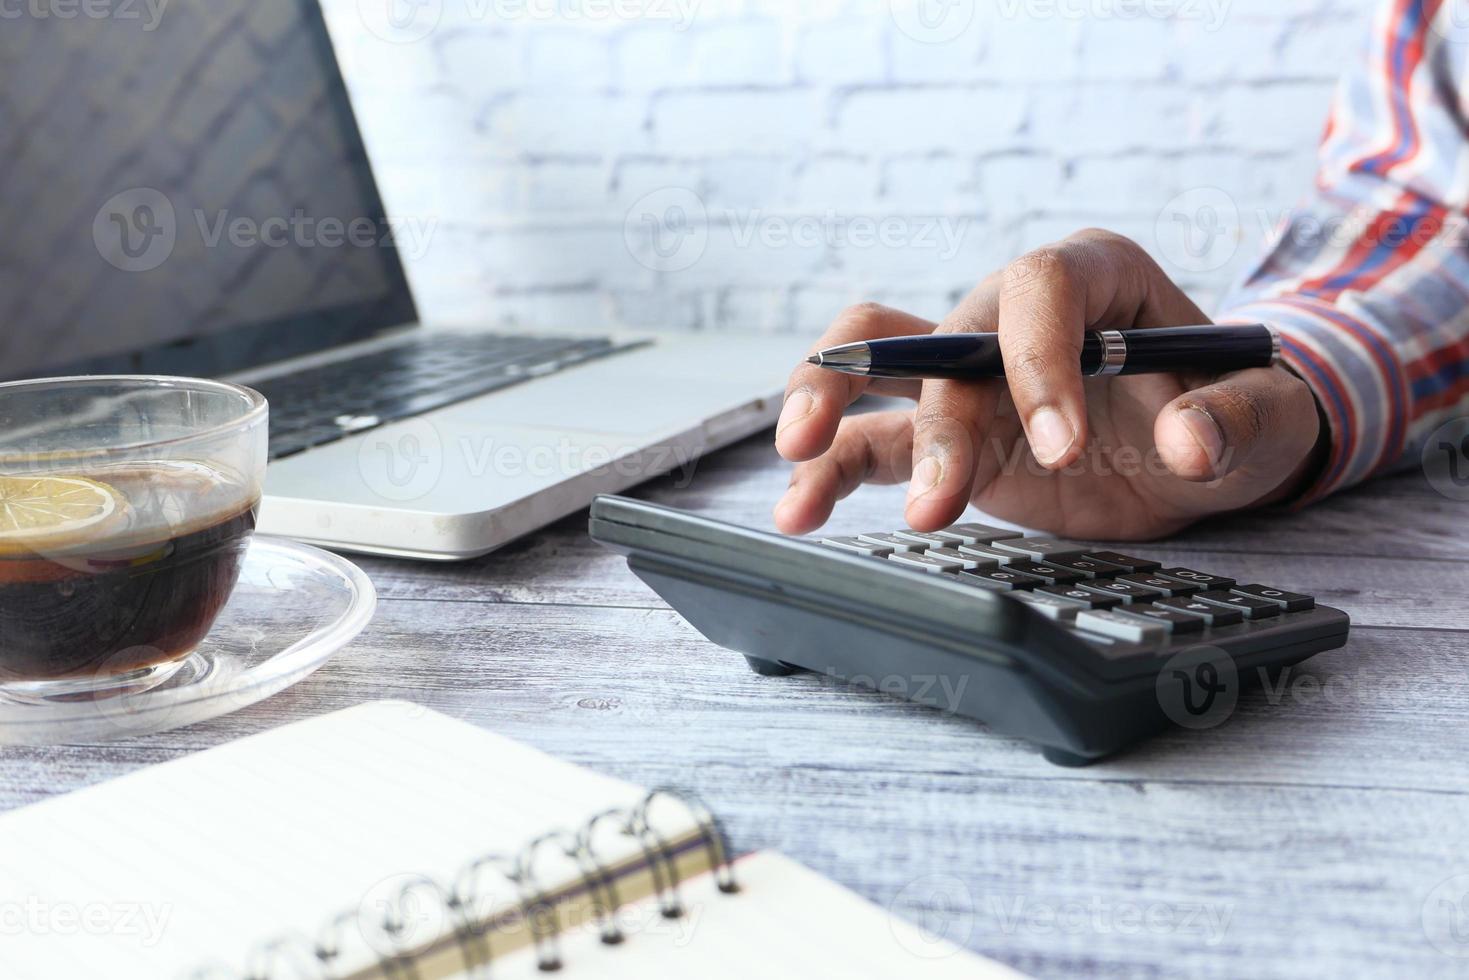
column 306, row 958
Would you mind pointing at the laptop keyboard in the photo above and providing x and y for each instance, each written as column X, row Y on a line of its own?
column 321, row 405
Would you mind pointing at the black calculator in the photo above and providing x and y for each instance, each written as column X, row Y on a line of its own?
column 1082, row 651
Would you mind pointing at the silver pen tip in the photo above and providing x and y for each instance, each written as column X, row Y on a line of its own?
column 815, row 359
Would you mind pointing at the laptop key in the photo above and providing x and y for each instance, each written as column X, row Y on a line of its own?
column 1211, row 614
column 1125, row 561
column 1251, row 606
column 1289, row 601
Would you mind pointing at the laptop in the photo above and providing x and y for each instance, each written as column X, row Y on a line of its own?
column 189, row 194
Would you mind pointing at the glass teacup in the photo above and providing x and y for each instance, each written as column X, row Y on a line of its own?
column 126, row 508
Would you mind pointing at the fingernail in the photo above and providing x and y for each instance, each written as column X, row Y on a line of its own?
column 1050, row 434
column 797, row 407
column 926, row 476
column 1205, row 432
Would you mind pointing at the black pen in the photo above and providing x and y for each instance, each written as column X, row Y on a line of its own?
column 970, row 356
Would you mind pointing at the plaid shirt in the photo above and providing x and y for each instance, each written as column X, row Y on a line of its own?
column 1368, row 281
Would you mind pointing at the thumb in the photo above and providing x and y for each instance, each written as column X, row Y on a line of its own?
column 1262, row 421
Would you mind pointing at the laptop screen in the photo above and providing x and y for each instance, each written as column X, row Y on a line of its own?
column 183, row 189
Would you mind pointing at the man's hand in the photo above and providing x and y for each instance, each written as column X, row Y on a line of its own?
column 1116, row 458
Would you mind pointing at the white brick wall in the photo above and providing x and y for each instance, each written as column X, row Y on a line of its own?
column 758, row 164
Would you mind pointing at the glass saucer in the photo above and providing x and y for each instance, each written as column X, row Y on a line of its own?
column 294, row 607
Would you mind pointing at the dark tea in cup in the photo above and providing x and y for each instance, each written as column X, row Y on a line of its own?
column 118, row 569
column 127, row 505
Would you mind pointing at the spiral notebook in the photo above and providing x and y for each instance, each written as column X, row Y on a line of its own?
column 388, row 841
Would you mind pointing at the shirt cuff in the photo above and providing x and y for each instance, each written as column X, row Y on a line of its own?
column 1343, row 362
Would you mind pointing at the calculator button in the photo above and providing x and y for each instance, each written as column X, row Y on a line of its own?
column 1049, row 606
column 1252, row 607
column 1209, row 613
column 1047, row 573
column 1289, row 601
column 1127, row 591
column 1039, row 548
column 1200, row 579
column 1084, row 598
column 858, row 547
column 1000, row 579
column 1167, row 586
column 1086, row 567
column 1131, row 628
column 982, row 533
column 1175, row 621
column 962, row 560
column 987, row 553
column 926, row 562
column 926, row 539
column 1131, row 564
column 890, row 541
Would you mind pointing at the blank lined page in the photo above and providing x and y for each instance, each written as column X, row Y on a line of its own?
column 200, row 859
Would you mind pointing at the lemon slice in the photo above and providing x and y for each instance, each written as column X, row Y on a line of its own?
column 47, row 512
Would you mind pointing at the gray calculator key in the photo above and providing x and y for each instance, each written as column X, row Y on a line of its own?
column 858, row 547
column 982, row 533
column 1251, row 606
column 890, row 541
column 1127, row 561
column 1289, row 601
column 1041, row 549
column 1126, row 591
column 1207, row 611
column 1087, row 567
column 926, row 562
column 987, row 553
column 927, row 539
column 1201, row 579
column 958, row 557
column 1049, row 606
column 1162, row 583
column 1130, row 628
column 1000, row 580
column 1172, row 619
column 1079, row 597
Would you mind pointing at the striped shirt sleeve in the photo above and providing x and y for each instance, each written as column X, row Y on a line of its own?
column 1368, row 280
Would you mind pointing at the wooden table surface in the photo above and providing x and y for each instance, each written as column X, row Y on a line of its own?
column 1321, row 831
